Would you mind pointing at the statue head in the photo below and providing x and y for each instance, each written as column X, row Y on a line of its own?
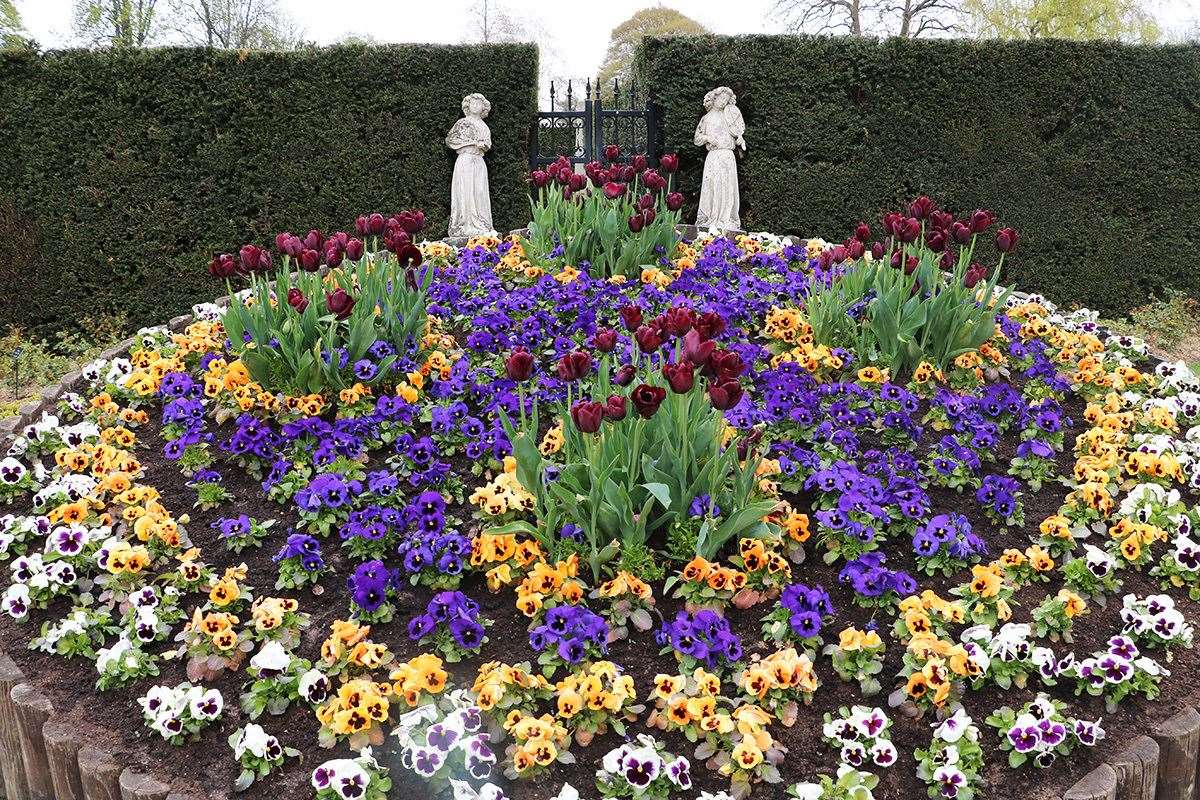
column 719, row 98
column 476, row 104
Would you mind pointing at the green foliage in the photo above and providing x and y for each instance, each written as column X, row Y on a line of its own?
column 126, row 170
column 595, row 229
column 1090, row 150
column 12, row 33
column 1126, row 20
column 286, row 348
column 28, row 363
column 625, row 38
column 1165, row 323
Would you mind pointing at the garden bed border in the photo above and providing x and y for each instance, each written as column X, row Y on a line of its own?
column 43, row 758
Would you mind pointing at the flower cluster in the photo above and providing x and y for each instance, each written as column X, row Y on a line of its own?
column 451, row 623
column 180, row 713
column 704, row 638
column 642, row 769
column 1040, row 732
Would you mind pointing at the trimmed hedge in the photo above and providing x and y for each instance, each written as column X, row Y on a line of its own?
column 121, row 173
column 1090, row 150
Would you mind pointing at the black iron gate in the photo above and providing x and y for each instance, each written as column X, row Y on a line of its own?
column 579, row 127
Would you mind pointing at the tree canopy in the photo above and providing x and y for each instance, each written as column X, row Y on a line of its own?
column 625, row 38
column 1124, row 20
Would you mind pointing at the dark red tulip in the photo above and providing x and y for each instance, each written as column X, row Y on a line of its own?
column 289, row 244
column 222, row 266
column 981, row 220
column 631, row 316
column 935, row 240
column 678, row 320
column 248, row 256
column 725, row 394
column 680, row 376
column 539, row 177
column 725, row 365
column 646, row 399
column 592, row 169
column 576, row 182
column 669, row 162
column 891, row 220
column 653, row 181
column 313, row 240
column 297, row 300
column 1006, row 240
column 340, row 238
column 411, row 221
column 333, row 255
column 710, row 324
column 908, row 230
column 376, row 224
column 627, row 173
column 339, row 303
column 863, row 232
column 612, row 152
column 310, row 260
column 614, row 408
column 948, row 260
column 519, row 365
column 613, row 190
column 674, row 201
column 409, row 255
column 636, row 223
column 877, row 250
column 648, row 338
column 604, row 340
column 574, row 365
column 649, row 215
column 825, row 259
column 354, row 249
column 625, row 375
column 974, row 274
column 361, row 225
column 587, row 415
column 838, row 254
column 960, row 233
column 941, row 220
column 645, row 201
column 921, row 208
column 696, row 349
column 855, row 249
column 638, row 161
column 564, row 176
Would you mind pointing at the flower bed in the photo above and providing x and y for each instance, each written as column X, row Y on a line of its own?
column 844, row 519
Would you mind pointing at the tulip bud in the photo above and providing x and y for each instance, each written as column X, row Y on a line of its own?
column 981, row 220
column 855, row 249
column 669, row 162
column 636, row 223
column 614, row 408
column 941, row 220
column 539, row 177
column 653, row 181
column 1006, row 240
column 974, row 274
column 935, row 240
column 647, row 399
column 678, row 320
column 361, row 225
column 877, row 250
column 838, row 254
column 863, row 232
column 576, row 182
column 297, row 300
column 649, row 215
column 638, row 161
column 355, row 249
column 376, row 224
column 409, row 256
column 612, row 152
column 696, row 349
column 725, row 365
column 674, row 201
column 648, row 338
column 222, row 266
column 519, row 365
column 908, row 230
column 631, row 316
column 574, row 365
column 680, row 376
column 725, row 394
column 709, row 324
column 613, row 190
column 310, row 260
column 604, row 340
column 587, row 415
column 949, row 259
column 248, row 256
column 921, row 208
column 339, row 303
column 313, row 240
column 625, row 375
column 645, row 201
column 960, row 233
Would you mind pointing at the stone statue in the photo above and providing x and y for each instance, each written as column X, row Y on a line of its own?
column 720, row 131
column 470, row 205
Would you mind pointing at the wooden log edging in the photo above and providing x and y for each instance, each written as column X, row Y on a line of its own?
column 1158, row 766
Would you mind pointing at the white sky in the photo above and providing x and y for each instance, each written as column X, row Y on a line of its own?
column 578, row 29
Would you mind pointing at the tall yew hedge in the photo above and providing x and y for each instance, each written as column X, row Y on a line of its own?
column 122, row 172
column 1090, row 150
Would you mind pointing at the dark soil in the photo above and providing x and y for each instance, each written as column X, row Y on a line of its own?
column 207, row 768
